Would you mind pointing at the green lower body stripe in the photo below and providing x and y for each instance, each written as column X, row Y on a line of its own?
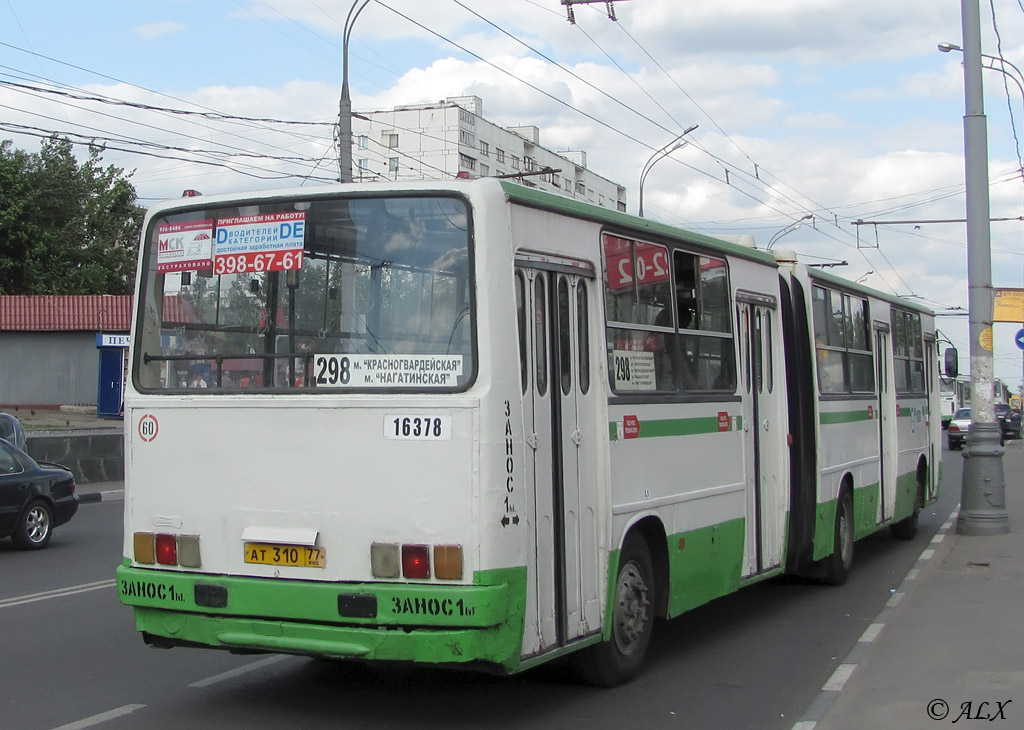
column 431, row 623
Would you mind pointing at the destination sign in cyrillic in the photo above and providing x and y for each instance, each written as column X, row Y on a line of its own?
column 386, row 371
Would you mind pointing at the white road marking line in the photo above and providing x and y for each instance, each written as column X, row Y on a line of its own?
column 232, row 673
column 839, row 677
column 926, row 554
column 57, row 593
column 100, row 718
column 871, row 632
column 894, row 599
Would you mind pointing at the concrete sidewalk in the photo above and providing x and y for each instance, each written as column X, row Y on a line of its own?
column 949, row 646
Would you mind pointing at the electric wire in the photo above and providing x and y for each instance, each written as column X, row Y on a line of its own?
column 284, row 176
column 579, row 111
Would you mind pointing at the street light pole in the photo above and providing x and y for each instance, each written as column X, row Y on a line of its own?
column 983, row 491
column 660, row 154
column 345, row 104
column 788, row 229
column 1018, row 78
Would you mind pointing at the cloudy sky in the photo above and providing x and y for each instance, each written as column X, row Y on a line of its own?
column 842, row 110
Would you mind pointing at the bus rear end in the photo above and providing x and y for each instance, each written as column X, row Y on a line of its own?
column 300, row 432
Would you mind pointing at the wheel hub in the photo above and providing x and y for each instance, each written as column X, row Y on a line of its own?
column 36, row 524
column 630, row 612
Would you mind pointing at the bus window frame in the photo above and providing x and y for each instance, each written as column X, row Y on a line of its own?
column 197, row 205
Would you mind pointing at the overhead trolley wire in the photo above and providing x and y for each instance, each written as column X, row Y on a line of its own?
column 136, row 86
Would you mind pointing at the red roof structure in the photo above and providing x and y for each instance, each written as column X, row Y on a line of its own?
column 53, row 313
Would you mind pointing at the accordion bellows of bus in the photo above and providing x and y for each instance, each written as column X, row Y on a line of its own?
column 469, row 423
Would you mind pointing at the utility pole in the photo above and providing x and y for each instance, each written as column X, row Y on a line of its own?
column 345, row 104
column 983, row 491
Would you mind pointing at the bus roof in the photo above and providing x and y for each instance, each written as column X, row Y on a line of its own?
column 824, row 276
column 525, row 195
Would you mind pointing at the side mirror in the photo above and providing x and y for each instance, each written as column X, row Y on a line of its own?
column 951, row 362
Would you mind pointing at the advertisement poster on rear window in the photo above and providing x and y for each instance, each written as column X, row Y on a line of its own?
column 184, row 246
column 268, row 242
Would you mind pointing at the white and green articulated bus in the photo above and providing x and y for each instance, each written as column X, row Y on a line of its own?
column 468, row 423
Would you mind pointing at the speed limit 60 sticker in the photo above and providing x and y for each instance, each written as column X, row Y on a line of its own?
column 417, row 428
column 149, row 427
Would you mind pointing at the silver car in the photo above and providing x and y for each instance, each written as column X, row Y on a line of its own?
column 957, row 432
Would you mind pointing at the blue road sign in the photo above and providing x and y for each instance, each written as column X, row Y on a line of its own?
column 1019, row 339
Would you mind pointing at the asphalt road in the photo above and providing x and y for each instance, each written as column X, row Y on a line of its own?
column 70, row 657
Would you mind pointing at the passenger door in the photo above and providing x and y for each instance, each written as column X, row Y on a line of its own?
column 885, row 417
column 763, row 431
column 561, row 411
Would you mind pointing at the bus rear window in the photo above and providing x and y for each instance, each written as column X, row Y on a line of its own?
column 314, row 294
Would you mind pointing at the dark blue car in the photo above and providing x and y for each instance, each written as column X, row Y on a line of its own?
column 1009, row 421
column 35, row 497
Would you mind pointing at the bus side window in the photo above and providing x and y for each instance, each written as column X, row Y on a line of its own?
column 583, row 332
column 540, row 324
column 521, row 323
column 564, row 336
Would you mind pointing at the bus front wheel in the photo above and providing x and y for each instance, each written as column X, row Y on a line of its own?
column 838, row 564
column 619, row 659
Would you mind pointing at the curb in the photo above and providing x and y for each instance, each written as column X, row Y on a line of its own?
column 113, row 495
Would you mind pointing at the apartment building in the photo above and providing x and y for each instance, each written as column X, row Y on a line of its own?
column 451, row 138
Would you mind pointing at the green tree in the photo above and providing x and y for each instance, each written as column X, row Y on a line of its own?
column 65, row 227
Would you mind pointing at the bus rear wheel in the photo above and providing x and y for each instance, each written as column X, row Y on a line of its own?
column 619, row 659
column 838, row 564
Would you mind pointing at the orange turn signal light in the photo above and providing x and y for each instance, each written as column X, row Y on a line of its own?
column 448, row 562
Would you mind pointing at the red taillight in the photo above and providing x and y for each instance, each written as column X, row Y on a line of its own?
column 415, row 561
column 953, row 427
column 166, row 549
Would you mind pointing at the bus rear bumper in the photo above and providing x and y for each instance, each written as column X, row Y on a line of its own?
column 440, row 647
column 430, row 623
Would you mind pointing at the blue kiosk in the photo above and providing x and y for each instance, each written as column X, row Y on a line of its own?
column 113, row 351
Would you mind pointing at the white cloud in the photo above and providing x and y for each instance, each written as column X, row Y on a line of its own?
column 153, row 31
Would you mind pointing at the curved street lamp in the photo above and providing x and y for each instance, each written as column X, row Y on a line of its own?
column 345, row 104
column 788, row 229
column 1017, row 76
column 657, row 156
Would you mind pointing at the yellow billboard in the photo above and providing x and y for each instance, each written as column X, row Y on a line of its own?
column 1008, row 305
